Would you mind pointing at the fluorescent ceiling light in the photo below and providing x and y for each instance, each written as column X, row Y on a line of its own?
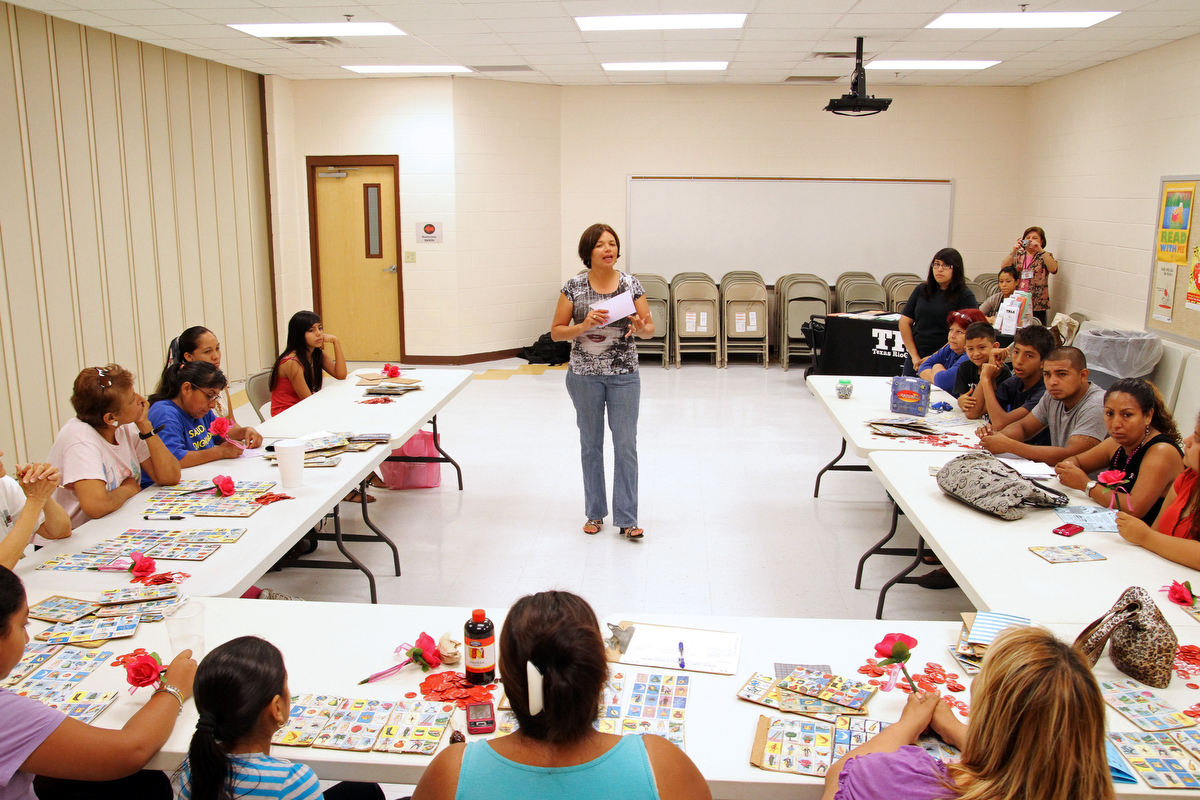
column 661, row 22
column 903, row 66
column 403, row 69
column 283, row 29
column 661, row 66
column 1023, row 19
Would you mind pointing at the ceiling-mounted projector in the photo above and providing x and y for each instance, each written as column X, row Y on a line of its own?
column 858, row 103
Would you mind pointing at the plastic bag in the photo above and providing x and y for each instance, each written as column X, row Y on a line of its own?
column 401, row 475
column 1125, row 354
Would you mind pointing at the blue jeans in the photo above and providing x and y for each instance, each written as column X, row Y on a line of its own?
column 622, row 394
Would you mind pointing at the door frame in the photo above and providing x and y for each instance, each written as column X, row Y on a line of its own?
column 311, row 163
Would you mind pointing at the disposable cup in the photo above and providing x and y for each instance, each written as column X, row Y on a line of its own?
column 290, row 454
column 185, row 629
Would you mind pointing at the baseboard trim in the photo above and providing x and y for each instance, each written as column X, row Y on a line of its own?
column 470, row 358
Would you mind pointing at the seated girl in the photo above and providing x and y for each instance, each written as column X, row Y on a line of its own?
column 183, row 411
column 242, row 698
column 40, row 741
column 103, row 451
column 942, row 367
column 551, row 660
column 1036, row 732
column 200, row 344
column 299, row 370
column 1007, row 280
column 27, row 506
column 1142, row 443
column 1175, row 534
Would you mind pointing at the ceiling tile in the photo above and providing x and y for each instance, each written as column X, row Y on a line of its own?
column 153, row 16
column 792, row 20
column 429, row 27
column 812, row 6
column 542, row 38
column 537, row 24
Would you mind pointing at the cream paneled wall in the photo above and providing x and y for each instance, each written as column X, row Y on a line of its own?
column 972, row 135
column 1098, row 142
column 134, row 206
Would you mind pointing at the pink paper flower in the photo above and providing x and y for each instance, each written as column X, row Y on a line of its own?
column 1181, row 593
column 219, row 427
column 424, row 653
column 142, row 566
column 143, row 671
column 391, row 371
column 896, row 647
column 1111, row 477
column 224, row 485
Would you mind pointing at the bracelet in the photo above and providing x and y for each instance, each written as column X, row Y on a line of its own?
column 171, row 690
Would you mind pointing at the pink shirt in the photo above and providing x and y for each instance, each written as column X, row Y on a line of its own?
column 909, row 773
column 81, row 453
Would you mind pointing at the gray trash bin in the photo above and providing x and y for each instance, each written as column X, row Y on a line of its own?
column 1113, row 354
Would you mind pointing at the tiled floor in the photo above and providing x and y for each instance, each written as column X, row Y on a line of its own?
column 727, row 460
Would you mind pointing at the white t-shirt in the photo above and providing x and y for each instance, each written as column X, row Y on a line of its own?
column 12, row 500
column 81, row 453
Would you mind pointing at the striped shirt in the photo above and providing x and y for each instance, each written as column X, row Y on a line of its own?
column 257, row 775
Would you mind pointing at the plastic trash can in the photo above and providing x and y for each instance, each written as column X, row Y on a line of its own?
column 1113, row 354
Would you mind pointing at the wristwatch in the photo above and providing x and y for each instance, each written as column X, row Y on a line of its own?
column 1090, row 485
column 152, row 432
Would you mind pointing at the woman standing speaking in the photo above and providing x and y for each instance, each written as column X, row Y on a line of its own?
column 603, row 371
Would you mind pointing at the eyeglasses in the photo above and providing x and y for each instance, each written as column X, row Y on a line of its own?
column 102, row 378
column 213, row 397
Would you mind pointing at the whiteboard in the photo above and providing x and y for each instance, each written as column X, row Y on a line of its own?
column 776, row 226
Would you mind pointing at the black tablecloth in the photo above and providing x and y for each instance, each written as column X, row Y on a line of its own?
column 860, row 347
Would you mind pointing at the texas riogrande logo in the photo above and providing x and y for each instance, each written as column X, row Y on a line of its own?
column 888, row 343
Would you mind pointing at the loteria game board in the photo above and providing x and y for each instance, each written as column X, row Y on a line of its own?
column 61, row 672
column 83, row 706
column 1159, row 759
column 415, row 726
column 79, row 562
column 764, row 690
column 62, row 609
column 35, row 655
column 828, row 687
column 92, row 629
column 138, row 594
column 1143, row 707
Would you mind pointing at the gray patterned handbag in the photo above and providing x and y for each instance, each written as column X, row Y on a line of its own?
column 984, row 482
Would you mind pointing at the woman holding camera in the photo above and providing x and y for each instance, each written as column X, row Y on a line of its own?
column 1034, row 266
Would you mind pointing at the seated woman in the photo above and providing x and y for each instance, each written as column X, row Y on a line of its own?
column 200, row 344
column 27, row 507
column 1036, row 732
column 923, row 325
column 182, row 412
column 103, row 451
column 1007, row 280
column 1175, row 534
column 40, row 741
column 1142, row 442
column 302, row 365
column 552, row 664
column 942, row 367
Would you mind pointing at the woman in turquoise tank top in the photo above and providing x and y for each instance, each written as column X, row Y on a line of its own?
column 553, row 639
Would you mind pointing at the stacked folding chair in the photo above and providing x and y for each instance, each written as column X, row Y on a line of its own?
column 797, row 297
column 695, row 316
column 857, row 293
column 744, row 314
column 658, row 297
column 899, row 287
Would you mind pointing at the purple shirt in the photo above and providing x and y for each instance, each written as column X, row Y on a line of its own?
column 26, row 724
column 907, row 774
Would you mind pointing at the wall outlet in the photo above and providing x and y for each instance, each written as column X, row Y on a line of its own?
column 410, row 256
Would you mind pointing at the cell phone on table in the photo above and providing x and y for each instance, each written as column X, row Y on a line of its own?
column 481, row 718
column 1070, row 529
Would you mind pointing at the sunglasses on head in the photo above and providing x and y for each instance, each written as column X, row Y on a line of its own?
column 102, row 378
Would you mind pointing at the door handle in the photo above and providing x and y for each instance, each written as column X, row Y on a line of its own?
column 392, row 268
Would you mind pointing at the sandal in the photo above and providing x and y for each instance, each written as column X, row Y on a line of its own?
column 376, row 482
column 593, row 526
column 633, row 533
column 355, row 497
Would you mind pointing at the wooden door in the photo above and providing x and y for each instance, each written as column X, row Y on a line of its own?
column 356, row 277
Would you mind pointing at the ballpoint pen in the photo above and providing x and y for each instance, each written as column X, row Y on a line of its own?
column 681, row 664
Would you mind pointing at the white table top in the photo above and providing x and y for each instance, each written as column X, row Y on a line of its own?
column 333, row 408
column 990, row 557
column 871, row 400
column 720, row 727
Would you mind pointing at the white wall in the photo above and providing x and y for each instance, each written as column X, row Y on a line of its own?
column 133, row 206
column 1098, row 142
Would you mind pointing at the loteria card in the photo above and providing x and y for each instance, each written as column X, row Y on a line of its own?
column 415, row 726
column 35, row 655
column 1067, row 554
column 1143, row 707
column 610, row 698
column 764, row 689
column 658, row 696
column 182, row 551
column 92, row 629
column 799, row 746
column 209, row 535
column 199, row 485
column 760, row 689
column 1158, row 759
column 151, row 611
column 355, row 725
column 828, row 687
column 83, row 706
column 138, row 594
column 61, row 672
column 122, row 546
column 849, row 733
column 79, row 562
column 62, row 609
column 308, row 715
column 237, row 505
column 669, row 729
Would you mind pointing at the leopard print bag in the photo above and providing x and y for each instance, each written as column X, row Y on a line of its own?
column 1143, row 645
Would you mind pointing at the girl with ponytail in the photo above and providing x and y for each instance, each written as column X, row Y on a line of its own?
column 551, row 660
column 198, row 343
column 241, row 694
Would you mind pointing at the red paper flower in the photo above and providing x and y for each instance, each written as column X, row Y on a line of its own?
column 219, row 427
column 1181, row 593
column 142, row 565
column 895, row 647
column 224, row 485
column 1111, row 477
column 426, row 653
column 144, row 670
column 391, row 371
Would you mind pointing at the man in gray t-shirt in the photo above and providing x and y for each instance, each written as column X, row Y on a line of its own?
column 1072, row 408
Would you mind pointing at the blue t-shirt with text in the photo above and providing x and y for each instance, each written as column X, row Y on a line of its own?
column 182, row 433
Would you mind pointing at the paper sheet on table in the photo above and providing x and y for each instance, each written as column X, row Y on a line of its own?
column 618, row 306
column 704, row 651
column 253, row 452
column 1027, row 468
column 1090, row 518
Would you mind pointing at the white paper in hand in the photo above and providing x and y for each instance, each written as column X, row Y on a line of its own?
column 618, row 307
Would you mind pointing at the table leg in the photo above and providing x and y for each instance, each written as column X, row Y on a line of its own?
column 878, row 548
column 902, row 576
column 340, row 539
column 379, row 535
column 839, row 468
column 443, row 459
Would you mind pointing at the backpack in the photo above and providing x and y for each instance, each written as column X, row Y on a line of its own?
column 546, row 351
